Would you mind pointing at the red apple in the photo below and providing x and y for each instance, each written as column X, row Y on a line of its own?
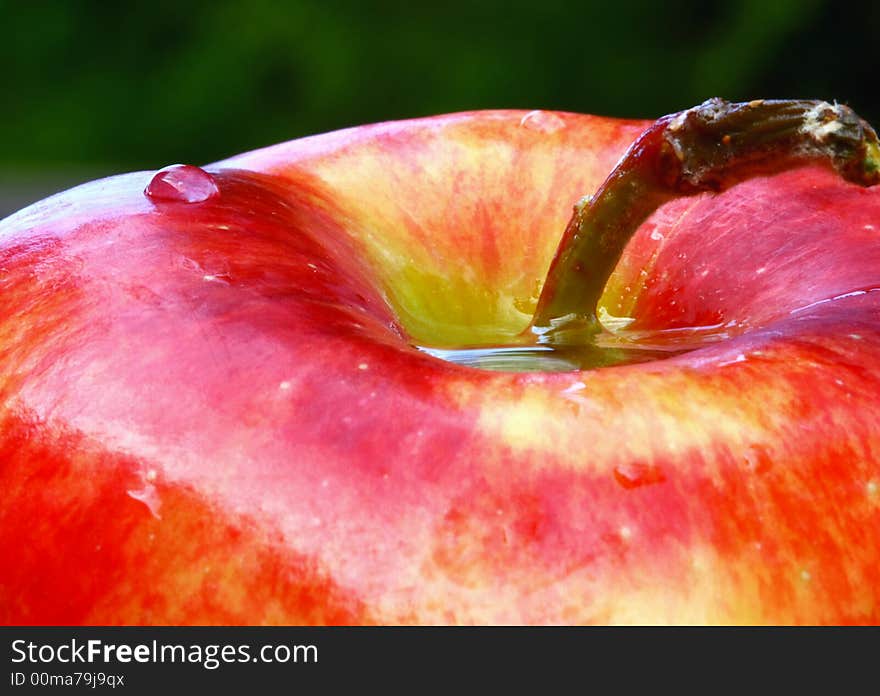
column 213, row 409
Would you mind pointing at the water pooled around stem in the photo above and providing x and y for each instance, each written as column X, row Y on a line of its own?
column 549, row 358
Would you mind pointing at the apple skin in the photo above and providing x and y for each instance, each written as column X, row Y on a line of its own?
column 212, row 412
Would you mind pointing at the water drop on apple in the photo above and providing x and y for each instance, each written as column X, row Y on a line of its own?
column 182, row 183
column 542, row 121
column 149, row 496
column 635, row 475
column 757, row 460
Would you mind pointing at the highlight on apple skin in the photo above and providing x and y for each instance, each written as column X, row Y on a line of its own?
column 221, row 399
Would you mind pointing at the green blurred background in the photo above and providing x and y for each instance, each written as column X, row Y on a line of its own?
column 94, row 88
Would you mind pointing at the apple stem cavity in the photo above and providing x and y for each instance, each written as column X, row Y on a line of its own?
column 709, row 147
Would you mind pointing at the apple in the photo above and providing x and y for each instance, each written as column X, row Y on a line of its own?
column 254, row 392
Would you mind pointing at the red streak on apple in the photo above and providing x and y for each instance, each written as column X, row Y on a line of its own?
column 212, row 412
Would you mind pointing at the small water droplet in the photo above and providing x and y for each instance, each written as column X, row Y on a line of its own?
column 182, row 183
column 740, row 358
column 656, row 236
column 582, row 204
column 149, row 497
column 542, row 121
column 636, row 475
column 525, row 305
column 757, row 459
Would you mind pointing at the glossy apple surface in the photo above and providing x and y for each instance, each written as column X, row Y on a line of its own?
column 213, row 411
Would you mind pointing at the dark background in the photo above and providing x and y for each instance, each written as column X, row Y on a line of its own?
column 94, row 88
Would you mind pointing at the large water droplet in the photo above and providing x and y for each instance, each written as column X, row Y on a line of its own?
column 634, row 475
column 542, row 121
column 182, row 183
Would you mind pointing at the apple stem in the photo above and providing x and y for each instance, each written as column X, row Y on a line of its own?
column 709, row 147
